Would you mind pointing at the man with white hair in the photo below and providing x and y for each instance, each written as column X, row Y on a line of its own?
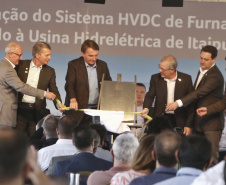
column 123, row 150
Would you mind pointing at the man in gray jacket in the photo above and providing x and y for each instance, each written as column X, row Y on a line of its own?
column 10, row 84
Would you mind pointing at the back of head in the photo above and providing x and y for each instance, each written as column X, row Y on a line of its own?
column 82, row 137
column 142, row 159
column 157, row 125
column 50, row 124
column 89, row 44
column 195, row 152
column 210, row 49
column 101, row 130
column 172, row 61
column 124, row 147
column 66, row 125
column 165, row 146
column 37, row 48
column 13, row 152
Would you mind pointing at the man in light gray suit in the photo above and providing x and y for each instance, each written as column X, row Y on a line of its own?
column 10, row 84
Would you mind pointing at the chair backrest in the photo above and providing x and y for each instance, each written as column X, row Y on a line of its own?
column 83, row 177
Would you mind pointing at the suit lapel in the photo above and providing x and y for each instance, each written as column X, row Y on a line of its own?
column 84, row 72
column 197, row 77
column 178, row 86
column 42, row 76
column 25, row 71
column 163, row 89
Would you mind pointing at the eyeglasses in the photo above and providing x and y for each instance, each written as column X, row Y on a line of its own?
column 163, row 70
column 19, row 55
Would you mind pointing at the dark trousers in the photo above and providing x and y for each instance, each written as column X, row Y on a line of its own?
column 26, row 123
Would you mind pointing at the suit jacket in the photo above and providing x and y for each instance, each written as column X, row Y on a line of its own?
column 10, row 83
column 158, row 92
column 77, row 84
column 218, row 106
column 47, row 80
column 83, row 161
column 208, row 91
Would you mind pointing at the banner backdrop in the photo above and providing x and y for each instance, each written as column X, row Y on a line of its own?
column 133, row 35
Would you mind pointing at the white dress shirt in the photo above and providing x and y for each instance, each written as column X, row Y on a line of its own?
column 61, row 148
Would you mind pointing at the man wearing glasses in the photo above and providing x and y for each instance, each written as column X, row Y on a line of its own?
column 10, row 84
column 165, row 87
column 209, row 86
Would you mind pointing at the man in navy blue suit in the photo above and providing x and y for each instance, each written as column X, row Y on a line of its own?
column 84, row 159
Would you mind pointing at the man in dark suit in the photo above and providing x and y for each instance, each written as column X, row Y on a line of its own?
column 209, row 86
column 84, row 160
column 216, row 107
column 39, row 75
column 165, row 87
column 10, row 84
column 83, row 79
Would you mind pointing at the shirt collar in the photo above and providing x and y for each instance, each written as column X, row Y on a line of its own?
column 87, row 65
column 10, row 62
column 34, row 66
column 204, row 71
column 173, row 80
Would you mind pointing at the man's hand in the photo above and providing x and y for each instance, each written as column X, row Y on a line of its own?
column 50, row 95
column 187, row 131
column 201, row 111
column 144, row 112
column 172, row 106
column 60, row 107
column 73, row 104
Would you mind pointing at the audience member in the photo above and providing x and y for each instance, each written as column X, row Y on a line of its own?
column 54, row 160
column 123, row 151
column 100, row 152
column 215, row 175
column 46, row 135
column 165, row 146
column 194, row 157
column 17, row 163
column 142, row 164
column 84, row 160
column 63, row 146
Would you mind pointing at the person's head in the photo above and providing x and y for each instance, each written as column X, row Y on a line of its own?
column 195, row 152
column 14, row 52
column 168, row 67
column 96, row 139
column 90, row 50
column 165, row 146
column 83, row 139
column 101, row 130
column 208, row 56
column 41, row 53
column 157, row 125
column 141, row 92
column 13, row 154
column 66, row 124
column 50, row 124
column 124, row 148
column 143, row 160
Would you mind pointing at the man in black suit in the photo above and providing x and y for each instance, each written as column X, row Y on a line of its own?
column 83, row 80
column 38, row 74
column 84, row 160
column 165, row 87
column 209, row 86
